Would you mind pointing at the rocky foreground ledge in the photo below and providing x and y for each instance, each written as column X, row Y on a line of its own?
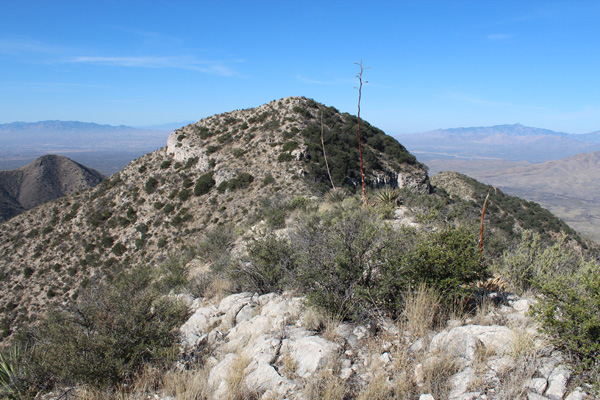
column 278, row 349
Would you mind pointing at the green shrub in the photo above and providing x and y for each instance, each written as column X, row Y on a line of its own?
column 190, row 162
column 446, row 260
column 165, row 164
column 237, row 152
column 211, row 149
column 570, row 312
column 187, row 183
column 215, row 247
column 290, row 146
column 352, row 264
column 273, row 210
column 204, row 132
column 118, row 249
column 150, row 185
column 241, row 181
column 335, row 252
column 532, row 259
column 270, row 265
column 107, row 241
column 184, row 195
column 204, row 183
column 284, row 157
column 111, row 332
column 268, row 179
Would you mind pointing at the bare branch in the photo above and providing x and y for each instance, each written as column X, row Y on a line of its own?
column 362, row 172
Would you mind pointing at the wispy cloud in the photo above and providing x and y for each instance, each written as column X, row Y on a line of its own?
column 214, row 67
column 53, row 54
column 498, row 36
column 20, row 46
column 38, row 87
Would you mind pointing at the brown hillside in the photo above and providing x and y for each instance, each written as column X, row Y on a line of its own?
column 47, row 178
column 219, row 170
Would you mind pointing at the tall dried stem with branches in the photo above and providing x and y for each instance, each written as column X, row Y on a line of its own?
column 362, row 171
column 325, row 154
column 482, row 215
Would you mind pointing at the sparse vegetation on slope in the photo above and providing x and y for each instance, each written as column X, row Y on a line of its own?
column 200, row 181
column 216, row 213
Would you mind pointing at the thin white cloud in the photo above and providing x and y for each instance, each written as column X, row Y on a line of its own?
column 178, row 62
column 48, row 53
column 20, row 46
column 499, row 36
column 34, row 87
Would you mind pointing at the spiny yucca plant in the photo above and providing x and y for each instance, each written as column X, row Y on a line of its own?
column 337, row 195
column 8, row 387
column 386, row 196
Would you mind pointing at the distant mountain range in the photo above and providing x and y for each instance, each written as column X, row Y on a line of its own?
column 510, row 142
column 47, row 178
column 106, row 148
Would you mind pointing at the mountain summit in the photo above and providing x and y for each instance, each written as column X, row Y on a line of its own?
column 220, row 170
column 47, row 178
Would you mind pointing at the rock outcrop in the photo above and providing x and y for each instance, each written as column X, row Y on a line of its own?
column 269, row 340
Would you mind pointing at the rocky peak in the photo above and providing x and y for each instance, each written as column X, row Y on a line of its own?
column 216, row 171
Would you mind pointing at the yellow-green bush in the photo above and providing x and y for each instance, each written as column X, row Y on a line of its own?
column 110, row 332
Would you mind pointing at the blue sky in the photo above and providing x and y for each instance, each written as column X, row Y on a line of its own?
column 433, row 64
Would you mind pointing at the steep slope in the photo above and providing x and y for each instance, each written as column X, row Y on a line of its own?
column 47, row 178
column 567, row 187
column 216, row 171
column 508, row 215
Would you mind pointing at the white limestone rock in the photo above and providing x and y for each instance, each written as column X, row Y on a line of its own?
column 557, row 383
column 311, row 353
column 197, row 326
column 537, row 385
column 460, row 382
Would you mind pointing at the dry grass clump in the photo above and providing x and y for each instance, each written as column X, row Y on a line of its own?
column 148, row 380
column 326, row 384
column 422, row 310
column 524, row 343
column 218, row 288
column 313, row 319
column 187, row 385
column 288, row 366
column 513, row 378
column 329, row 331
column 236, row 386
column 437, row 371
column 378, row 388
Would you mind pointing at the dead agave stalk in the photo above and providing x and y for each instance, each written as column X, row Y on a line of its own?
column 362, row 171
column 482, row 215
column 324, row 154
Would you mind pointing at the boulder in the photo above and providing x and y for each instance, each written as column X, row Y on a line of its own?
column 310, row 353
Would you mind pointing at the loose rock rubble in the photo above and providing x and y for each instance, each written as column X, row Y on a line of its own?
column 267, row 338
